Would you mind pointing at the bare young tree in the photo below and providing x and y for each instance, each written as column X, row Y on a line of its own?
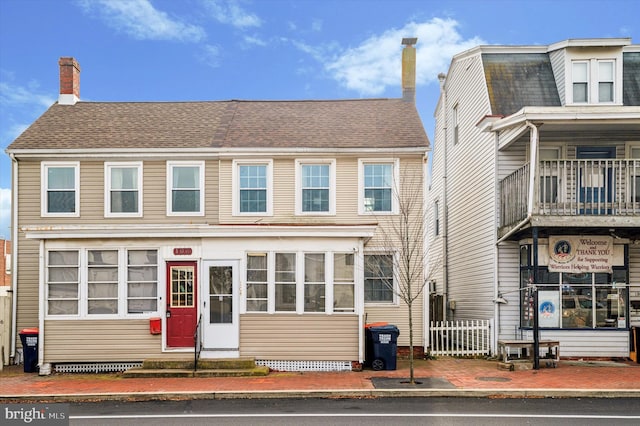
column 402, row 236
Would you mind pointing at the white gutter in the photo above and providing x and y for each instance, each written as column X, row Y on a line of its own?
column 197, row 231
column 201, row 152
column 14, row 255
column 533, row 162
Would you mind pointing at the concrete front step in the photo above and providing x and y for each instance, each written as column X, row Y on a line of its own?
column 203, row 364
column 183, row 372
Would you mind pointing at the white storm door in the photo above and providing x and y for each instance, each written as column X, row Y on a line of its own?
column 221, row 305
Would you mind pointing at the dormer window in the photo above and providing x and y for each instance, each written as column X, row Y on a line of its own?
column 593, row 81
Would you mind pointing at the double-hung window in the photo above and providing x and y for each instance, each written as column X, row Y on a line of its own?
column 257, row 285
column 63, row 282
column 185, row 183
column 343, row 282
column 378, row 278
column 605, row 81
column 315, row 183
column 252, row 182
column 60, row 189
column 123, row 189
column 580, row 82
column 102, row 282
column 142, row 281
column 378, row 186
column 285, row 282
column 314, row 282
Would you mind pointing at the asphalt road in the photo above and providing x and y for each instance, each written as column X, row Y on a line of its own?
column 369, row 411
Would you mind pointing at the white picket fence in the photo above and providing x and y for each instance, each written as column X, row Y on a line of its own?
column 461, row 338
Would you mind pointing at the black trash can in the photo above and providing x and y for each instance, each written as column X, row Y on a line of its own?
column 381, row 346
column 29, row 339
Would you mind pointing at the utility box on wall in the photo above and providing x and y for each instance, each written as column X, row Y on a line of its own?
column 155, row 325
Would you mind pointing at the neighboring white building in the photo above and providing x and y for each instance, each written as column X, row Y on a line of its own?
column 536, row 186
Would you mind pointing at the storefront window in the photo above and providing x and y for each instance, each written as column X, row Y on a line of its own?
column 587, row 300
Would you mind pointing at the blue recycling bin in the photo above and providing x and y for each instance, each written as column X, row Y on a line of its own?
column 381, row 346
column 29, row 339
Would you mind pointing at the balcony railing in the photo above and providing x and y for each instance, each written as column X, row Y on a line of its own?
column 573, row 188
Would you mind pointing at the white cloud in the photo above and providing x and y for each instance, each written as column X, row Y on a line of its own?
column 12, row 95
column 210, row 55
column 5, row 213
column 141, row 20
column 19, row 106
column 229, row 12
column 255, row 41
column 374, row 65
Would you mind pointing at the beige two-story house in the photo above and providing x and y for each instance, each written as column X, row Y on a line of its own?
column 134, row 222
column 535, row 192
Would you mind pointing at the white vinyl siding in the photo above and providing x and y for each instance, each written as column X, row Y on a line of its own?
column 471, row 195
column 308, row 337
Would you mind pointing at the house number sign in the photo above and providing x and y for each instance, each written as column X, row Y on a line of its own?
column 182, row 251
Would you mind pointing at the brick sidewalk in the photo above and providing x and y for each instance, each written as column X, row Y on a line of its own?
column 463, row 374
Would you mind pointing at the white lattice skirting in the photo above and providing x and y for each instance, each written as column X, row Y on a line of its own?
column 306, row 365
column 97, row 367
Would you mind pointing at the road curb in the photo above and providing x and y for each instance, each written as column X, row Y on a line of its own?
column 340, row 393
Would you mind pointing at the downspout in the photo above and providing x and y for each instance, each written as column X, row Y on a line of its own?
column 14, row 257
column 533, row 161
column 426, row 305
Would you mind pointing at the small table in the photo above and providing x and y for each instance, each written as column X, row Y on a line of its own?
column 551, row 357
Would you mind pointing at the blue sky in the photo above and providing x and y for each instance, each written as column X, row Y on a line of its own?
column 165, row 50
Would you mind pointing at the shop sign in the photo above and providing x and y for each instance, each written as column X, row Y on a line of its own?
column 576, row 254
column 182, row 251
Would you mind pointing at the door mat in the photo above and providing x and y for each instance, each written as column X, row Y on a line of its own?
column 403, row 383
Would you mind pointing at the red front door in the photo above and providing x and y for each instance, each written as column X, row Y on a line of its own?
column 182, row 303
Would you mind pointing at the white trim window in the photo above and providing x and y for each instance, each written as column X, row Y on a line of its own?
column 285, row 282
column 315, row 187
column 300, row 282
column 185, row 188
column 593, row 81
column 123, row 189
column 63, row 282
column 101, row 283
column 257, row 283
column 343, row 282
column 378, row 186
column 379, row 278
column 60, row 189
column 580, row 78
column 314, row 282
column 252, row 188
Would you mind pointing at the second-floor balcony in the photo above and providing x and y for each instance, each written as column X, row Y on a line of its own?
column 581, row 188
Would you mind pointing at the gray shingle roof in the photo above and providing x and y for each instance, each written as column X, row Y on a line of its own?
column 367, row 123
column 517, row 80
column 631, row 78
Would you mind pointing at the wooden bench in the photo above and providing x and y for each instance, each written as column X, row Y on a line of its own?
column 551, row 357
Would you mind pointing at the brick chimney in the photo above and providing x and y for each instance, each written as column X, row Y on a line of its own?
column 409, row 69
column 69, row 81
